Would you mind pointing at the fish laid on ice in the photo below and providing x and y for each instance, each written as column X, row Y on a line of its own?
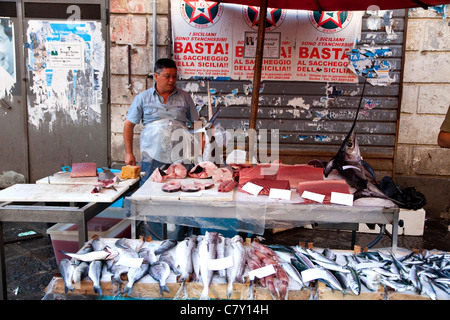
column 66, row 269
column 118, row 270
column 235, row 273
column 160, row 271
column 106, row 254
column 134, row 275
column 80, row 271
column 166, row 245
column 207, row 251
column 221, row 252
column 183, row 257
column 95, row 273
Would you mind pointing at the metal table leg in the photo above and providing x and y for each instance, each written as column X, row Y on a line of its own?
column 3, row 287
column 395, row 229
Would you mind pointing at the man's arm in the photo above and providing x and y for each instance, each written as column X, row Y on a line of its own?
column 444, row 139
column 128, row 130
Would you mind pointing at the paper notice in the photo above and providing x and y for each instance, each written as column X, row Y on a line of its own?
column 341, row 198
column 280, row 194
column 261, row 272
column 252, row 188
column 313, row 196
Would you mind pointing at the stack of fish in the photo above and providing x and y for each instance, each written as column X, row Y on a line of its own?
column 201, row 258
column 421, row 273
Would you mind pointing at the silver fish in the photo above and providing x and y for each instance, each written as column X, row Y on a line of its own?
column 354, row 281
column 105, row 254
column 207, row 251
column 95, row 273
column 147, row 254
column 221, row 252
column 293, row 272
column 160, row 271
column 134, row 275
column 183, row 257
column 236, row 272
column 166, row 245
column 66, row 269
column 196, row 260
column 80, row 271
column 169, row 258
column 117, row 270
column 427, row 287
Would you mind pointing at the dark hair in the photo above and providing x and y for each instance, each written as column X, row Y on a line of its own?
column 164, row 63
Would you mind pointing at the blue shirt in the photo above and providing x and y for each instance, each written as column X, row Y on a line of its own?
column 149, row 106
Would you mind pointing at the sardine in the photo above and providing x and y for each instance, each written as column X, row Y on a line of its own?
column 207, row 251
column 236, row 272
column 66, row 269
column 160, row 271
column 80, row 271
column 427, row 287
column 106, row 254
column 95, row 274
column 293, row 272
column 134, row 275
column 354, row 281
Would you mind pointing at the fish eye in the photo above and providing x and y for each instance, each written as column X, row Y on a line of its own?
column 349, row 144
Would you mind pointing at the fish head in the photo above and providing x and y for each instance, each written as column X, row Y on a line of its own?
column 350, row 149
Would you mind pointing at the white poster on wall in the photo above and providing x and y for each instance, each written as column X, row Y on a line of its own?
column 218, row 41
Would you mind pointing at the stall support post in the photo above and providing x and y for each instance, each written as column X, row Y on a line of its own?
column 257, row 79
column 3, row 287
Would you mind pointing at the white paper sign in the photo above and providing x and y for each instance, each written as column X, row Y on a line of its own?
column 191, row 194
column 342, row 198
column 130, row 262
column 313, row 196
column 313, row 274
column 261, row 272
column 252, row 188
column 220, row 264
column 280, row 194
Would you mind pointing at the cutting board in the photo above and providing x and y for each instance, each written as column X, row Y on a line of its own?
column 152, row 191
column 60, row 193
column 63, row 177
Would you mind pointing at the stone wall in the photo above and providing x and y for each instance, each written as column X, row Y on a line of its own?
column 132, row 24
column 425, row 100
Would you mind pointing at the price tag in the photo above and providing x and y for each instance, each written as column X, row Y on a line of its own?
column 261, row 272
column 130, row 262
column 220, row 264
column 280, row 194
column 342, row 198
column 313, row 196
column 252, row 188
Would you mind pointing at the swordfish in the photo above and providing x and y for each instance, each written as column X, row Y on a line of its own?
column 350, row 165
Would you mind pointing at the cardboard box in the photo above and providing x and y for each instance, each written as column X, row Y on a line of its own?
column 413, row 223
column 108, row 224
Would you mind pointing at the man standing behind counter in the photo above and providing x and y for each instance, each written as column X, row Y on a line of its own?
column 162, row 109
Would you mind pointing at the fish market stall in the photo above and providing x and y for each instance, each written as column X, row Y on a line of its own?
column 240, row 210
column 58, row 198
column 211, row 266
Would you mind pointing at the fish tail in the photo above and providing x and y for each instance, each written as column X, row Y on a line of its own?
column 163, row 288
column 205, row 294
column 98, row 289
column 229, row 289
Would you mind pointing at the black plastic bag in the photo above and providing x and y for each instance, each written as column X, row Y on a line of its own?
column 409, row 198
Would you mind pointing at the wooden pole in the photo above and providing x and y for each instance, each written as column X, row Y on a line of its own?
column 251, row 152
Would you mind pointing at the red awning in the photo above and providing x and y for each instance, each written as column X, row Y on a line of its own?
column 335, row 5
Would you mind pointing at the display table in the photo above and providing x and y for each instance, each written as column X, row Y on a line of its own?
column 247, row 213
column 53, row 200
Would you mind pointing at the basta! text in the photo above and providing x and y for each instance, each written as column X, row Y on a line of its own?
column 229, row 309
